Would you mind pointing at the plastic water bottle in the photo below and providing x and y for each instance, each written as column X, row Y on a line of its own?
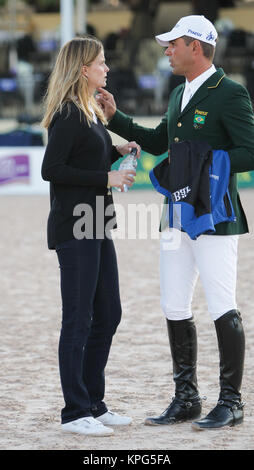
column 129, row 163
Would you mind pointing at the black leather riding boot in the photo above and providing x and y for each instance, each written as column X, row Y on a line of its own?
column 231, row 343
column 186, row 404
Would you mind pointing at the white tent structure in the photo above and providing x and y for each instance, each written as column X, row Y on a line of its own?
column 68, row 17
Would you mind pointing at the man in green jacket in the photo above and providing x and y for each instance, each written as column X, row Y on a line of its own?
column 211, row 108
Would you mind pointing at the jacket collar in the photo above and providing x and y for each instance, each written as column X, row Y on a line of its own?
column 211, row 83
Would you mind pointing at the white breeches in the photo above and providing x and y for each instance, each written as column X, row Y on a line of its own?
column 213, row 257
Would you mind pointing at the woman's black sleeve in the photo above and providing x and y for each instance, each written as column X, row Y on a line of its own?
column 55, row 169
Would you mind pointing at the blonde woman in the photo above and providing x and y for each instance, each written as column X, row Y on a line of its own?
column 77, row 163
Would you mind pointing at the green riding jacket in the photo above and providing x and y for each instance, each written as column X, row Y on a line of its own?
column 220, row 113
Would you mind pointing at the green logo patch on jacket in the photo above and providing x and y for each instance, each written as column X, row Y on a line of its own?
column 199, row 118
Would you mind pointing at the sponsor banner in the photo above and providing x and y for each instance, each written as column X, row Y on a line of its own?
column 246, row 180
column 14, row 168
column 20, row 171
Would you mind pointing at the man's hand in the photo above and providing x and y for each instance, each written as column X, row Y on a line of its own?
column 106, row 102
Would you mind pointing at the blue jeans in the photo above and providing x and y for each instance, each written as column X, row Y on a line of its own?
column 91, row 312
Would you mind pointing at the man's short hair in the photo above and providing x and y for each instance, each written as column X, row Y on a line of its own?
column 208, row 49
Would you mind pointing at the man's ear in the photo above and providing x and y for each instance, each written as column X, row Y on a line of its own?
column 196, row 46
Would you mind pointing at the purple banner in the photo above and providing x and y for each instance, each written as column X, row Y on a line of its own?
column 14, row 169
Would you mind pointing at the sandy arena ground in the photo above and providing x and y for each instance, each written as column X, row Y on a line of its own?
column 139, row 379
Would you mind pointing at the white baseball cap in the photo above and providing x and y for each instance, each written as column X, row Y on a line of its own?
column 195, row 26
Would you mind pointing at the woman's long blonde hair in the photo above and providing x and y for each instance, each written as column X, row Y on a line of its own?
column 67, row 83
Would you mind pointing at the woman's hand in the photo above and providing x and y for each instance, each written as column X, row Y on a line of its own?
column 119, row 178
column 126, row 148
column 106, row 102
